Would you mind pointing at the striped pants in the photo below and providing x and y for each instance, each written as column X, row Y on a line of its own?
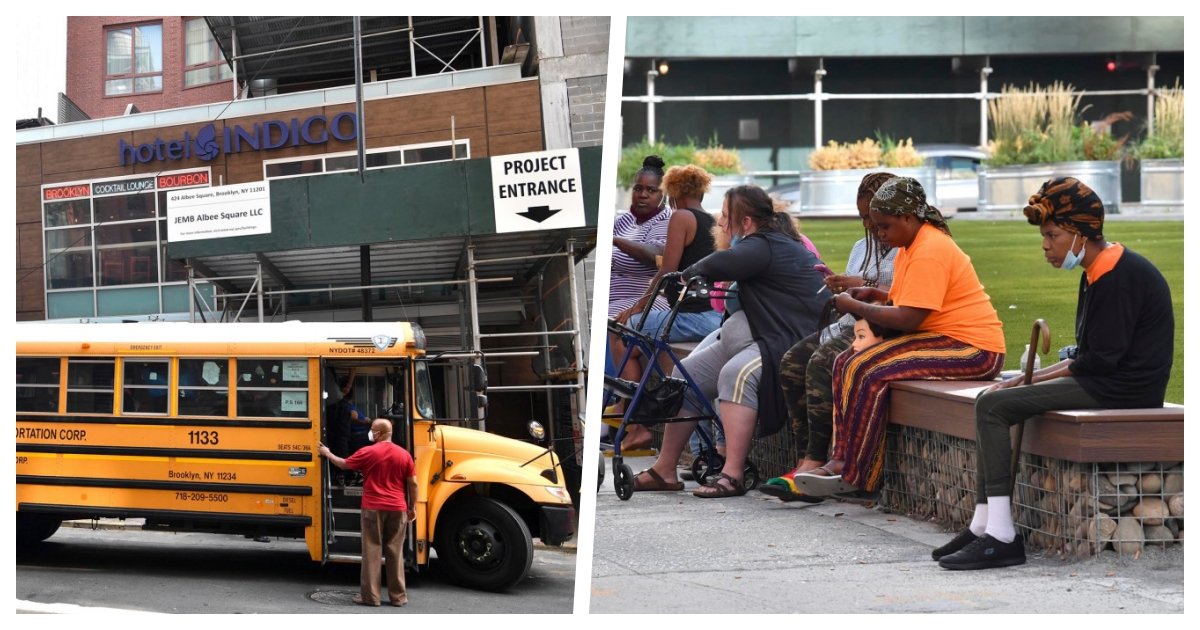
column 860, row 386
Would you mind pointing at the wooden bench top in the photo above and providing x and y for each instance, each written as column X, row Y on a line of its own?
column 1093, row 435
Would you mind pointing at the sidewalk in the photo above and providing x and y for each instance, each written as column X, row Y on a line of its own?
column 668, row 552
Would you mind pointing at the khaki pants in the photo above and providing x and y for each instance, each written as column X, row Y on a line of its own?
column 383, row 536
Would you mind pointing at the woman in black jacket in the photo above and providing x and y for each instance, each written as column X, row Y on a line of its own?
column 1125, row 331
column 779, row 300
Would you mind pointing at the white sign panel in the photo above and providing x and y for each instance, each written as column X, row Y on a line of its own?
column 295, row 370
column 293, row 401
column 537, row 191
column 218, row 212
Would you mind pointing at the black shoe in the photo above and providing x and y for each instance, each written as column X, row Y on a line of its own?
column 986, row 553
column 964, row 538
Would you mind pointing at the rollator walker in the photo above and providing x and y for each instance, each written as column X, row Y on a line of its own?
column 658, row 397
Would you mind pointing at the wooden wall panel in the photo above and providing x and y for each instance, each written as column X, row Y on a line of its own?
column 425, row 112
column 30, row 298
column 29, row 204
column 514, row 108
column 29, row 246
column 515, row 143
column 29, row 165
column 82, row 154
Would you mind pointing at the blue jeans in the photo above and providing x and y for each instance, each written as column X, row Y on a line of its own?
column 716, row 435
column 687, row 326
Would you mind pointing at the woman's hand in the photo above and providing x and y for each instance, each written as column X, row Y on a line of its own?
column 839, row 282
column 623, row 317
column 868, row 294
column 845, row 302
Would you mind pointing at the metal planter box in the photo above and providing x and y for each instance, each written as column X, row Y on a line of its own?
column 1007, row 188
column 1162, row 185
column 835, row 193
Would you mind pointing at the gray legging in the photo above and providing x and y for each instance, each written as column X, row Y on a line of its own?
column 996, row 411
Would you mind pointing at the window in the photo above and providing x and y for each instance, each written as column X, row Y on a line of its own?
column 90, row 385
column 272, row 388
column 376, row 159
column 146, row 382
column 133, row 60
column 203, row 387
column 203, row 62
column 37, row 384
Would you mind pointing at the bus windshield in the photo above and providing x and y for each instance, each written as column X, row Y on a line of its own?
column 424, row 391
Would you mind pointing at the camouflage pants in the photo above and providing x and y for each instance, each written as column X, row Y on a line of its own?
column 806, row 376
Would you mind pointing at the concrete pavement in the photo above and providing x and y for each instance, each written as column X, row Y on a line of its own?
column 668, row 552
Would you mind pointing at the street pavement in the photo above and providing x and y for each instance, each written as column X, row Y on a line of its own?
column 669, row 552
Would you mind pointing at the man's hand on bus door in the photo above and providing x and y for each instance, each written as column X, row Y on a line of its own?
column 333, row 459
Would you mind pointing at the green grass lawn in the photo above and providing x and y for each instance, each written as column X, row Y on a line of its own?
column 1023, row 286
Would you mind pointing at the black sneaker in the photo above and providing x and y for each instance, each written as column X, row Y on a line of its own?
column 964, row 538
column 986, row 552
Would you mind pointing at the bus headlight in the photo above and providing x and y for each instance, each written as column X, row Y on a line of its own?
column 536, row 430
column 559, row 493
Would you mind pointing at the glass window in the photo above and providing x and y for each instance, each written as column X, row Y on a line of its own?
column 204, row 387
column 146, row 382
column 343, row 163
column 74, row 212
column 299, row 167
column 118, row 266
column 202, row 58
column 90, row 385
column 124, row 207
column 133, row 59
column 424, row 391
column 387, row 158
column 37, row 384
column 276, row 388
column 69, row 269
column 71, row 238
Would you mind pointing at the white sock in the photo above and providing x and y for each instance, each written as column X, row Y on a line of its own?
column 999, row 521
column 979, row 520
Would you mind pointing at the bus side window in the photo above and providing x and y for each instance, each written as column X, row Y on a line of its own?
column 204, row 387
column 273, row 388
column 37, row 384
column 145, row 385
column 90, row 385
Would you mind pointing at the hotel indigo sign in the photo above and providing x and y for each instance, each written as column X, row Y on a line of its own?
column 211, row 142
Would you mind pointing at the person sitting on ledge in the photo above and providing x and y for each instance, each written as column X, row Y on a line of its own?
column 1125, row 331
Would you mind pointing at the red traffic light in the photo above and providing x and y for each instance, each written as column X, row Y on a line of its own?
column 1111, row 66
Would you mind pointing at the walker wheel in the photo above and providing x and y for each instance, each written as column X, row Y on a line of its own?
column 707, row 464
column 623, row 481
column 750, row 477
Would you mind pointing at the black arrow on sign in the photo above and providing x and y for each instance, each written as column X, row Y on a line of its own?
column 539, row 213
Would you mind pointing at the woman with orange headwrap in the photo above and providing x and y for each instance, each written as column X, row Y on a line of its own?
column 1125, row 331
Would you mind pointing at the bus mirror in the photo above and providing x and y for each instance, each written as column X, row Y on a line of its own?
column 478, row 378
column 480, row 401
column 536, row 430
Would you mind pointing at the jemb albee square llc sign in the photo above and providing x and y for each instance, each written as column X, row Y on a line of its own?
column 218, row 212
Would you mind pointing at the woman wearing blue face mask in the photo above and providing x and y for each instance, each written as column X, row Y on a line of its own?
column 1125, row 331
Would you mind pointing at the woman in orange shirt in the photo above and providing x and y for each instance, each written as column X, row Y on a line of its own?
column 951, row 332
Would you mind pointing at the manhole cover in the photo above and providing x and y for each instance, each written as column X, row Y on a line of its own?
column 335, row 598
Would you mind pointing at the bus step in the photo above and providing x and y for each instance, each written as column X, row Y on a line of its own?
column 345, row 557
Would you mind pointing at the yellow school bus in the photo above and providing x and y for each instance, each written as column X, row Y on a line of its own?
column 215, row 427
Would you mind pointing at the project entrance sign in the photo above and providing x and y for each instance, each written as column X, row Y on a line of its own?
column 218, row 212
column 537, row 191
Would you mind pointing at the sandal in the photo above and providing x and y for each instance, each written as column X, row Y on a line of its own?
column 823, row 485
column 784, row 489
column 656, row 483
column 715, row 490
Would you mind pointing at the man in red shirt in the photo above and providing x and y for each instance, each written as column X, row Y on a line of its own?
column 388, row 504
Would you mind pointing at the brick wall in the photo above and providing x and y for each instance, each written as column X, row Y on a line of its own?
column 86, row 61
column 585, row 96
column 584, row 35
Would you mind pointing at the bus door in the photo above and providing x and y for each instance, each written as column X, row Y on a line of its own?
column 379, row 390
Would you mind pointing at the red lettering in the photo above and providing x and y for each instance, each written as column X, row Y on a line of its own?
column 66, row 192
column 183, row 179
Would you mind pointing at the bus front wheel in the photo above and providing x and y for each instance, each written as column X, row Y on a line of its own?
column 483, row 544
column 35, row 528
